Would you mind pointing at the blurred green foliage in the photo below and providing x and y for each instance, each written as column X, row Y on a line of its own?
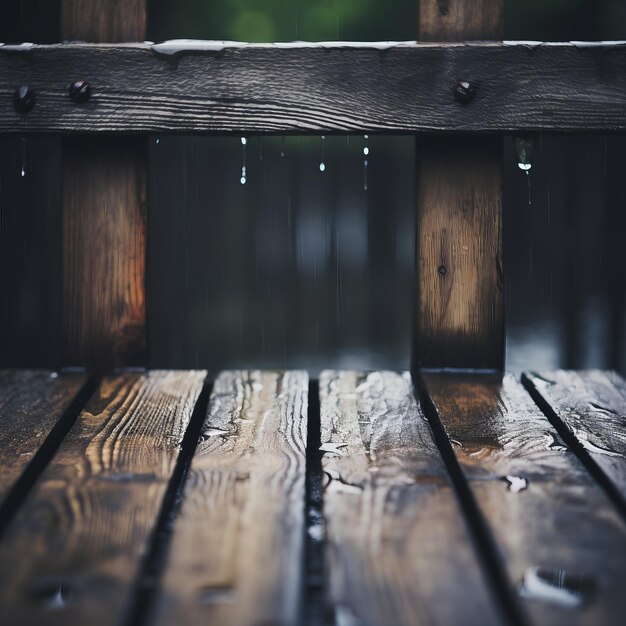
column 370, row 20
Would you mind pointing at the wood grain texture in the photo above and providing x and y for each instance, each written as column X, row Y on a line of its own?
column 398, row 548
column 324, row 89
column 70, row 554
column 104, row 243
column 460, row 313
column 460, row 308
column 31, row 403
column 460, row 20
column 236, row 553
column 104, row 216
column 544, row 509
column 592, row 406
column 104, row 20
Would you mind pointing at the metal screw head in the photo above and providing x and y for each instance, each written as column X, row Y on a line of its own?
column 464, row 91
column 443, row 270
column 80, row 91
column 24, row 99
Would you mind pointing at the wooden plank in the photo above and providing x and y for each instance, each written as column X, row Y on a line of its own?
column 562, row 541
column 236, row 553
column 306, row 88
column 104, row 215
column 591, row 405
column 104, row 252
column 399, row 551
column 460, row 307
column 450, row 20
column 97, row 20
column 73, row 548
column 460, row 314
column 31, row 404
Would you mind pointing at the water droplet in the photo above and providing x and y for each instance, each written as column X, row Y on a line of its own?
column 556, row 586
column 525, row 167
column 157, row 141
column 52, row 594
column 602, row 409
column 216, row 595
column 244, row 172
column 333, row 448
column 23, row 170
column 316, row 532
column 366, row 152
column 216, row 432
column 282, row 147
column 322, row 164
column 339, row 486
column 555, row 444
column 583, row 437
column 345, row 617
column 516, row 483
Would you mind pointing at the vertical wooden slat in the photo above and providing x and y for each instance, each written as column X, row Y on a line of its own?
column 460, row 307
column 104, row 214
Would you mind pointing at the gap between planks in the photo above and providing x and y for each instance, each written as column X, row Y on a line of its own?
column 560, row 539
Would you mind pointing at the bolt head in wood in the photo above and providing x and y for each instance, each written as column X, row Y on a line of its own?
column 80, row 91
column 464, row 91
column 24, row 99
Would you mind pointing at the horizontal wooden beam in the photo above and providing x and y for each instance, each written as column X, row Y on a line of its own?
column 217, row 87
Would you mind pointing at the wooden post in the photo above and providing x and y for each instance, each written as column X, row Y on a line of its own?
column 460, row 305
column 104, row 214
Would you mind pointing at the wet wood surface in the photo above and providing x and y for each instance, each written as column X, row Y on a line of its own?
column 104, row 201
column 562, row 541
column 460, row 302
column 31, row 404
column 236, row 557
column 398, row 549
column 460, row 306
column 71, row 553
column 592, row 406
column 322, row 89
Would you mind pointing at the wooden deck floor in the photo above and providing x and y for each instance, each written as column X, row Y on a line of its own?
column 262, row 498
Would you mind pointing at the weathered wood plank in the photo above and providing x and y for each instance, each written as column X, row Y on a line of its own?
column 303, row 88
column 104, row 252
column 398, row 549
column 562, row 541
column 31, row 403
column 592, row 406
column 104, row 215
column 72, row 550
column 460, row 305
column 236, row 553
column 451, row 20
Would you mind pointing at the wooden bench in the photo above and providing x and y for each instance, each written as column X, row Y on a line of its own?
column 451, row 494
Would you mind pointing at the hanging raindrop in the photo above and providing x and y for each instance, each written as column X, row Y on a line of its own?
column 366, row 152
column 322, row 164
column 23, row 170
column 282, row 147
column 244, row 172
column 525, row 148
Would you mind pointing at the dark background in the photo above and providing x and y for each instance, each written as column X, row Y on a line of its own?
column 299, row 268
